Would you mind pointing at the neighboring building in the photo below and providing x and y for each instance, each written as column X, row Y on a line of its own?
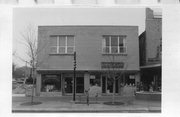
column 97, row 47
column 150, row 44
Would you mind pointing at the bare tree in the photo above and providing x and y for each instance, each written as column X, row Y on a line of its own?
column 30, row 40
column 115, row 73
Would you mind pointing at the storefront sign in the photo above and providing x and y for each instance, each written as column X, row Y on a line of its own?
column 112, row 64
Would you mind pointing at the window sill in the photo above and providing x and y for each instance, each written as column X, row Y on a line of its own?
column 61, row 54
column 122, row 54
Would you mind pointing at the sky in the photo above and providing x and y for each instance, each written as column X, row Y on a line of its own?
column 71, row 16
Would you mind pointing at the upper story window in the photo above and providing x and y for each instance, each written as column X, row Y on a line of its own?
column 62, row 44
column 113, row 44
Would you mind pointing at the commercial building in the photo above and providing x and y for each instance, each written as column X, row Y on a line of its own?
column 150, row 44
column 100, row 50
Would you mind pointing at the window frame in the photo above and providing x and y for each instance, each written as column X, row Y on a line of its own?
column 104, row 37
column 65, row 46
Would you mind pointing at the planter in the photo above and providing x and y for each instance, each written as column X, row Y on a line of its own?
column 153, row 96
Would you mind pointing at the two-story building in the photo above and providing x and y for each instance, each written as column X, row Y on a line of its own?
column 99, row 49
column 150, row 44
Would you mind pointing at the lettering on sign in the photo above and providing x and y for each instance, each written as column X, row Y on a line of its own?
column 112, row 64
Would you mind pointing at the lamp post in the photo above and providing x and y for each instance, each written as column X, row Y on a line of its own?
column 74, row 78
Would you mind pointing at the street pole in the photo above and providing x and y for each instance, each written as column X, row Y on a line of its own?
column 74, row 79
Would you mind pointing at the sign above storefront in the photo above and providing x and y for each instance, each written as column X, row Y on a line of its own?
column 112, row 65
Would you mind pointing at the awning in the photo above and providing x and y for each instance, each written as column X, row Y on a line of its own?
column 150, row 66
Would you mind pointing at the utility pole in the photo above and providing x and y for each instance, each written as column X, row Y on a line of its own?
column 74, row 79
column 26, row 71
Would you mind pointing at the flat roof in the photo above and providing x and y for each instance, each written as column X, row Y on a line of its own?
column 87, row 26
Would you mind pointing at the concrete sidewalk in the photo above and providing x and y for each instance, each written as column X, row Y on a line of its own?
column 64, row 104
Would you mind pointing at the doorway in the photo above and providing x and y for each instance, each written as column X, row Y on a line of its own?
column 68, row 85
column 107, row 85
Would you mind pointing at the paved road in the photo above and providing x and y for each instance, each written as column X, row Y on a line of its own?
column 65, row 104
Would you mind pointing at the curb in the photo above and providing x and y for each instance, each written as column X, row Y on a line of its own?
column 140, row 110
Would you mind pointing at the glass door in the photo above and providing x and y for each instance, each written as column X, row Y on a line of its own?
column 107, row 85
column 79, row 84
column 68, row 83
column 103, row 84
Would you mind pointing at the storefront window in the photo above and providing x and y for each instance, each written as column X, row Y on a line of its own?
column 130, row 79
column 51, row 83
column 107, row 85
column 95, row 79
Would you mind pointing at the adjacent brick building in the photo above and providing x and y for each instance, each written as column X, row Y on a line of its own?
column 150, row 44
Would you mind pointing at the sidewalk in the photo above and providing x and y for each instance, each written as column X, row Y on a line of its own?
column 65, row 104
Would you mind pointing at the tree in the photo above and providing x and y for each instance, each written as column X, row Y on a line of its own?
column 115, row 72
column 30, row 41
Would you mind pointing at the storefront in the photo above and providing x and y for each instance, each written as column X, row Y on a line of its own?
column 62, row 83
column 151, row 77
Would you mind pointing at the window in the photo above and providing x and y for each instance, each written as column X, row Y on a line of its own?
column 62, row 44
column 114, row 44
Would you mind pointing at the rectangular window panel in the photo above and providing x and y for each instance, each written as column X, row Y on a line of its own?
column 114, row 49
column 70, row 40
column 70, row 50
column 62, row 50
column 114, row 40
column 122, row 49
column 114, row 44
column 53, row 50
column 121, row 41
column 62, row 40
column 107, row 40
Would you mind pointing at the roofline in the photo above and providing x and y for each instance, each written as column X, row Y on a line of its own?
column 87, row 26
column 63, row 70
column 143, row 33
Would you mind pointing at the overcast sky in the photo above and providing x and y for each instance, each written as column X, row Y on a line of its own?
column 71, row 16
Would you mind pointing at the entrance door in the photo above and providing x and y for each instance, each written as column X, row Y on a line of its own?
column 103, row 84
column 68, row 85
column 68, row 82
column 79, row 84
column 107, row 85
